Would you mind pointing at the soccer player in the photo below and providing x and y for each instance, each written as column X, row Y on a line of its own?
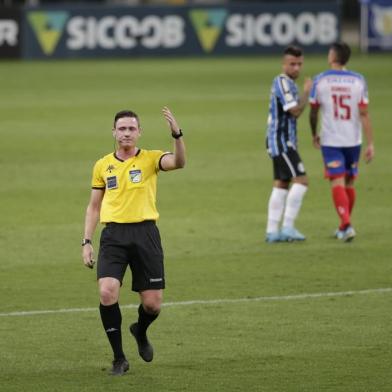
column 123, row 197
column 284, row 109
column 342, row 97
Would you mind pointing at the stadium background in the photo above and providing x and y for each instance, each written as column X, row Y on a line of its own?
column 241, row 315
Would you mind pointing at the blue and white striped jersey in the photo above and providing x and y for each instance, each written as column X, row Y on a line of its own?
column 282, row 126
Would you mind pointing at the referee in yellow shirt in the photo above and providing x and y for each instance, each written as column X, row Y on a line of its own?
column 123, row 198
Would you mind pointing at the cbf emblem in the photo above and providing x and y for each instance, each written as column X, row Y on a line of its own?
column 135, row 176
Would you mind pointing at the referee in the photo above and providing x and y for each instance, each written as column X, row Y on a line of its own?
column 123, row 197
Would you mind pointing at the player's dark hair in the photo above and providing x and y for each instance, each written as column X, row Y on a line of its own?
column 126, row 113
column 342, row 52
column 293, row 51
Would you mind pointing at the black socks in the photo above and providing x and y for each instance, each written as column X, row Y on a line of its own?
column 145, row 319
column 111, row 320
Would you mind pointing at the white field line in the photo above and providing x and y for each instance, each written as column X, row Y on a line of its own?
column 213, row 301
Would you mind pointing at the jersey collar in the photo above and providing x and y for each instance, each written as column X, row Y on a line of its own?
column 121, row 160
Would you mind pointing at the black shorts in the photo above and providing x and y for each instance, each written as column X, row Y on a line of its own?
column 137, row 245
column 288, row 165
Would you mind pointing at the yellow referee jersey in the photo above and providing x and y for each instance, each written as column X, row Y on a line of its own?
column 130, row 186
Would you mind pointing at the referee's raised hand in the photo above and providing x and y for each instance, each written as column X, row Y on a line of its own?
column 175, row 129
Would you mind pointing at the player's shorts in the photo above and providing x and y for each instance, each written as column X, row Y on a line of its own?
column 341, row 161
column 288, row 165
column 137, row 245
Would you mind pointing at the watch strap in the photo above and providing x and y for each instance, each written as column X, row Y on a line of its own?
column 177, row 135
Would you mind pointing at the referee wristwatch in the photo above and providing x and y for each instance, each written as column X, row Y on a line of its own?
column 177, row 135
column 86, row 241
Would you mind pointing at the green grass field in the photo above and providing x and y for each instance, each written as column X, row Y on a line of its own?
column 55, row 122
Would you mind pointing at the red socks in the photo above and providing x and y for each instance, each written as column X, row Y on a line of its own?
column 343, row 202
column 351, row 198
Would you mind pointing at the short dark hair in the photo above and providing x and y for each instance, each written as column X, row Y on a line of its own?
column 293, row 51
column 125, row 113
column 342, row 52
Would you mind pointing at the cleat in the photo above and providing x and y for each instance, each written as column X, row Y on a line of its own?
column 339, row 234
column 120, row 366
column 145, row 349
column 291, row 234
column 348, row 234
column 272, row 237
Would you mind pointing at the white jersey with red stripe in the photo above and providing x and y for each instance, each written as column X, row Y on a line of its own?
column 340, row 94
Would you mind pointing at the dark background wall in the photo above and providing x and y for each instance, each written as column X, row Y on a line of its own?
column 350, row 8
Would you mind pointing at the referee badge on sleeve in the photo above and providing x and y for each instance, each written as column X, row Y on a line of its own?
column 111, row 182
column 135, row 176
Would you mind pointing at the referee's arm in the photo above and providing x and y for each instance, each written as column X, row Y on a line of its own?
column 176, row 160
column 91, row 221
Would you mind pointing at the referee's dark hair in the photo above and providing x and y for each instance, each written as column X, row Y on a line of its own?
column 342, row 52
column 126, row 113
column 293, row 51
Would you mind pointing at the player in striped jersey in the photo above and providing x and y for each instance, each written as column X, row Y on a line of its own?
column 284, row 109
column 343, row 99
